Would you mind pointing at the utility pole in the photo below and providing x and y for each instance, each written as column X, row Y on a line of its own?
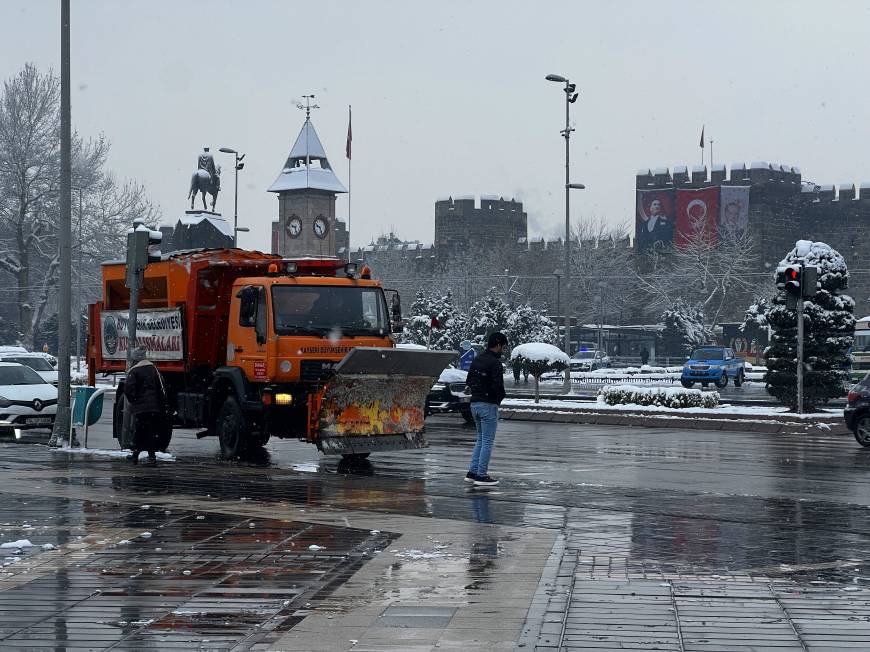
column 800, row 353
column 570, row 98
column 62, row 419
column 79, row 296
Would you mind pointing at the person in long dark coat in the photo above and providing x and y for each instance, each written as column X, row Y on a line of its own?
column 146, row 399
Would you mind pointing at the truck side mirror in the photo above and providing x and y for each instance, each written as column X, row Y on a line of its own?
column 261, row 320
column 248, row 306
column 395, row 303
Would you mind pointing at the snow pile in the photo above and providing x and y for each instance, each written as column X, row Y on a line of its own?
column 670, row 397
column 540, row 352
column 21, row 543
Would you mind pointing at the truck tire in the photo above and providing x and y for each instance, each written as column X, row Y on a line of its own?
column 722, row 381
column 355, row 457
column 232, row 429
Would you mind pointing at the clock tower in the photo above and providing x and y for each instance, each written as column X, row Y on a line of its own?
column 306, row 190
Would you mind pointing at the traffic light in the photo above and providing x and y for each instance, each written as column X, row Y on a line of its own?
column 788, row 279
column 143, row 247
column 809, row 282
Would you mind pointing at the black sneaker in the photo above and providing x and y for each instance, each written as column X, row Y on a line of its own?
column 485, row 481
column 470, row 477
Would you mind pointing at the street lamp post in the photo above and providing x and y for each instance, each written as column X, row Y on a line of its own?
column 558, row 275
column 570, row 98
column 238, row 166
column 79, row 295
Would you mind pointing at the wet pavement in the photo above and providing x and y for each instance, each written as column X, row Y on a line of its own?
column 599, row 537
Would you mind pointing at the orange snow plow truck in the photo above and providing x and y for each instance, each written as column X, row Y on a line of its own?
column 253, row 346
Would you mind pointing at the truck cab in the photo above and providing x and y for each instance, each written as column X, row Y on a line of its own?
column 713, row 364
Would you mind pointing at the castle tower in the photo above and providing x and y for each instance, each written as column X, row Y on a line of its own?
column 306, row 190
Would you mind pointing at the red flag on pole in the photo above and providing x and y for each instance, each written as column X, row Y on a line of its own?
column 349, row 134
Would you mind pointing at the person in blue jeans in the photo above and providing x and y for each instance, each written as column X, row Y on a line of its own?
column 485, row 382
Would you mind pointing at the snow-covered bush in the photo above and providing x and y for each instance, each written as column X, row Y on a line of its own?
column 828, row 327
column 539, row 358
column 671, row 397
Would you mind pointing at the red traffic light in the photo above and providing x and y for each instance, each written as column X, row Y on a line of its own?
column 792, row 274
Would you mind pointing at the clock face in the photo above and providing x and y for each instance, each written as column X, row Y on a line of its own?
column 294, row 227
column 321, row 227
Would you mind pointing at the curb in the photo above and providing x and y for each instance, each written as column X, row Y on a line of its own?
column 730, row 423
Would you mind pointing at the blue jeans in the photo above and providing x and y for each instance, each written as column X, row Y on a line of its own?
column 485, row 419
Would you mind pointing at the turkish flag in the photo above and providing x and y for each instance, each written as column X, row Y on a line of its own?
column 697, row 211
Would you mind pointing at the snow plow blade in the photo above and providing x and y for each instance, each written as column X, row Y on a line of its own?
column 377, row 400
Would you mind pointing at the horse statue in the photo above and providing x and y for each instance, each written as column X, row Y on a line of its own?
column 207, row 179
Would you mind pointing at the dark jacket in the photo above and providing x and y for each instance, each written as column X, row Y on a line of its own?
column 486, row 379
column 144, row 389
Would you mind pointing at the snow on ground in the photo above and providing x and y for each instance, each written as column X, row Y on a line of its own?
column 105, row 452
column 724, row 409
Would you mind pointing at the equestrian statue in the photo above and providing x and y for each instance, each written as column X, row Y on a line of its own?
column 206, row 179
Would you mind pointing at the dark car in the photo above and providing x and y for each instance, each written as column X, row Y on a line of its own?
column 857, row 412
column 449, row 395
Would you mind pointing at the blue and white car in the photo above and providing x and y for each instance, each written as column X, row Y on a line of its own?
column 713, row 364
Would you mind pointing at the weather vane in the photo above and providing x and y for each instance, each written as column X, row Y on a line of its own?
column 307, row 106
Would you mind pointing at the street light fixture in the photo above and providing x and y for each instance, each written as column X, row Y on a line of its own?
column 570, row 98
column 238, row 166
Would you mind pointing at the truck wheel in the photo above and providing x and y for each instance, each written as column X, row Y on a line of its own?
column 687, row 383
column 722, row 381
column 862, row 430
column 738, row 379
column 231, row 428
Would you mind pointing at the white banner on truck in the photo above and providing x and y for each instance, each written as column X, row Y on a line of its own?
column 159, row 331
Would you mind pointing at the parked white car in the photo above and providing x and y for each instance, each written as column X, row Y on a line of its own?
column 26, row 400
column 36, row 361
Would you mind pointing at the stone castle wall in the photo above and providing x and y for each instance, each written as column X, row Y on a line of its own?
column 783, row 209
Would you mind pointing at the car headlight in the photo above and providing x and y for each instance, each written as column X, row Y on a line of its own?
column 438, row 387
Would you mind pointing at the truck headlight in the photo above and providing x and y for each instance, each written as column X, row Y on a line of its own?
column 283, row 399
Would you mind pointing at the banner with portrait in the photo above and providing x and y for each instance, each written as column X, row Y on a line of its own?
column 697, row 213
column 733, row 210
column 654, row 225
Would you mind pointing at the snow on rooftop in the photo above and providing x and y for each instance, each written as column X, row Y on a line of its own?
column 846, row 185
column 795, row 169
column 490, row 197
column 719, row 167
column 738, row 166
column 300, row 178
column 681, row 169
column 645, row 172
column 659, row 172
column 699, row 169
column 826, row 187
column 192, row 219
column 759, row 165
column 464, row 198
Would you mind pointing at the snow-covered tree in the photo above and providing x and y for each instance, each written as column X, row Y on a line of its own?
column 684, row 324
column 539, row 358
column 526, row 324
column 419, row 323
column 488, row 315
column 828, row 328
column 30, row 198
column 453, row 324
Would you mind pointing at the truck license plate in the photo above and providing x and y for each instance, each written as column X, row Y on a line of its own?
column 38, row 421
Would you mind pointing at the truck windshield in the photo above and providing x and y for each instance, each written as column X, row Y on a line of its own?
column 708, row 354
column 326, row 310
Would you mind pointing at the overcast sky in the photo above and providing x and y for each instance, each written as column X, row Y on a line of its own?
column 449, row 97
